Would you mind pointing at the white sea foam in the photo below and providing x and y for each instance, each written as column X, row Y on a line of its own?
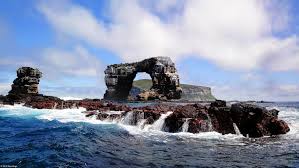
column 70, row 98
column 237, row 131
column 290, row 115
column 185, row 126
column 159, row 124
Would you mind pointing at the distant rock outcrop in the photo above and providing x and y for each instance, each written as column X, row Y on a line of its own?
column 119, row 79
column 26, row 83
column 189, row 92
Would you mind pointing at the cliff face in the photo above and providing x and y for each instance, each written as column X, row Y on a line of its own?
column 189, row 92
column 196, row 93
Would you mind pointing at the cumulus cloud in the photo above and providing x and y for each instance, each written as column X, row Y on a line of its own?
column 59, row 65
column 57, row 62
column 4, row 88
column 78, row 62
column 233, row 34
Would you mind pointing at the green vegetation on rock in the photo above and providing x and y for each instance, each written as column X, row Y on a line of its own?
column 190, row 92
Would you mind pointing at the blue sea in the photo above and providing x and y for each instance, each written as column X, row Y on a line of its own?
column 66, row 138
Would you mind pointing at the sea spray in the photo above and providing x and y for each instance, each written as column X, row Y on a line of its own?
column 185, row 126
column 159, row 124
column 141, row 123
column 55, row 106
column 127, row 120
column 210, row 126
column 74, row 106
column 237, row 131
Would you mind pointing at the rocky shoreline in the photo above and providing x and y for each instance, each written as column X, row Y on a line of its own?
column 251, row 120
column 240, row 118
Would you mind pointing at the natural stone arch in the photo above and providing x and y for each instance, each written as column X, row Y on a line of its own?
column 119, row 79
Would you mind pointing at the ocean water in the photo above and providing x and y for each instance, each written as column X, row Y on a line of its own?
column 66, row 138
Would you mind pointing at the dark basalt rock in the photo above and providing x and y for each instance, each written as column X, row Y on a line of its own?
column 119, row 79
column 251, row 120
column 195, row 114
column 274, row 112
column 257, row 121
column 42, row 102
column 218, row 103
column 25, row 85
column 221, row 119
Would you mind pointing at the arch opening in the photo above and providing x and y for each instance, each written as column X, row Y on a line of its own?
column 142, row 82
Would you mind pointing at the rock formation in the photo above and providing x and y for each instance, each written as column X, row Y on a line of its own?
column 196, row 93
column 26, row 83
column 189, row 92
column 119, row 79
column 247, row 119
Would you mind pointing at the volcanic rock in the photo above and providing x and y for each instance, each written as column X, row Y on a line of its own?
column 257, row 121
column 189, row 92
column 25, row 85
column 195, row 114
column 119, row 79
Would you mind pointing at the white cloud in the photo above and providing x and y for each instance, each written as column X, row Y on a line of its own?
column 234, row 34
column 78, row 62
column 59, row 62
column 285, row 56
column 289, row 89
column 4, row 88
column 61, row 67
column 250, row 77
column 268, row 92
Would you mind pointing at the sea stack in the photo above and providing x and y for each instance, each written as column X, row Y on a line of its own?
column 26, row 83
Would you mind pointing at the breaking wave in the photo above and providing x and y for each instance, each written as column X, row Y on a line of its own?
column 77, row 115
column 66, row 138
column 289, row 114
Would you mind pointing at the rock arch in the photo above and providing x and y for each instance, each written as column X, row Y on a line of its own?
column 119, row 79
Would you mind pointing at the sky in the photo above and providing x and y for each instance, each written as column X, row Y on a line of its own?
column 242, row 49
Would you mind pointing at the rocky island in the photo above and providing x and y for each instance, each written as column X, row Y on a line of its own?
column 213, row 115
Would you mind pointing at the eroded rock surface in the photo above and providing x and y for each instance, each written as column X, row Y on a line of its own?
column 26, row 84
column 256, row 121
column 248, row 119
column 119, row 79
column 189, row 92
column 251, row 120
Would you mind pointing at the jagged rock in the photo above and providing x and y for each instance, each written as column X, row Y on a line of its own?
column 196, row 114
column 25, row 85
column 257, row 121
column 221, row 118
column 251, row 120
column 218, row 103
column 119, row 78
column 150, row 95
column 274, row 112
column 42, row 102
